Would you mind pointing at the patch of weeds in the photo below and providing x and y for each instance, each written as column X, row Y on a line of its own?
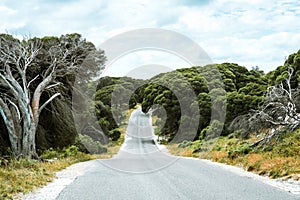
column 197, row 146
column 184, row 144
column 50, row 154
column 88, row 145
column 274, row 173
column 253, row 161
column 239, row 150
column 66, row 152
column 24, row 175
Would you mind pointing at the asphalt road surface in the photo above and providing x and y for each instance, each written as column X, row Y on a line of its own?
column 141, row 171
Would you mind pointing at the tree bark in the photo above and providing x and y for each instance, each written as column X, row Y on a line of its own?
column 29, row 149
column 8, row 120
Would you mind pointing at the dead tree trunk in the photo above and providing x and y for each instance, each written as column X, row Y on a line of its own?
column 278, row 113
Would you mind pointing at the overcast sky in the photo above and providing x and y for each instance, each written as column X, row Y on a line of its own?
column 249, row 32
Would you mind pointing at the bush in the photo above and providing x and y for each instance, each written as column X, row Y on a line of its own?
column 197, row 146
column 70, row 151
column 114, row 134
column 50, row 154
column 66, row 152
column 239, row 150
column 184, row 144
column 212, row 131
column 86, row 144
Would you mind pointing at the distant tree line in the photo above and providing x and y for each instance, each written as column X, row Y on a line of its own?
column 37, row 78
column 245, row 94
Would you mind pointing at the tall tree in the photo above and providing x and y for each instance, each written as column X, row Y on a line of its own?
column 30, row 67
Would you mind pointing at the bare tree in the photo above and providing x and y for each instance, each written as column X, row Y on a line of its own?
column 29, row 68
column 278, row 112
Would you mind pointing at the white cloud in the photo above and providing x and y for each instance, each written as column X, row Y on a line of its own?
column 6, row 11
column 251, row 32
column 137, row 59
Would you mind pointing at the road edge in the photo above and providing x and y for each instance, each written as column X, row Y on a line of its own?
column 290, row 185
column 62, row 180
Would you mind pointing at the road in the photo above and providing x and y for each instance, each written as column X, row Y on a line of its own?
column 143, row 171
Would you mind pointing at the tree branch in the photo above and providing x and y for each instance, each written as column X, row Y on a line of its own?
column 16, row 107
column 53, row 85
column 48, row 101
column 32, row 80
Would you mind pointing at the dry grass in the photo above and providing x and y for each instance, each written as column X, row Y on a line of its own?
column 279, row 160
column 173, row 149
column 23, row 175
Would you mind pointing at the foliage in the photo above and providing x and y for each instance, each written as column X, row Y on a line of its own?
column 114, row 134
column 278, row 112
column 278, row 160
column 24, row 175
column 243, row 92
column 33, row 73
column 280, row 73
column 66, row 152
column 242, row 149
column 184, row 144
column 114, row 96
column 86, row 144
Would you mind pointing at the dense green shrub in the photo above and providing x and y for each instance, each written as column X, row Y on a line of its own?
column 114, row 134
column 50, row 154
column 65, row 152
column 239, row 150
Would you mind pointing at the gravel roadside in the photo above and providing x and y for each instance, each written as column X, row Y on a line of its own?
column 63, row 178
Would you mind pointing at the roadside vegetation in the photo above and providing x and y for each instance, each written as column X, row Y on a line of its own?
column 24, row 175
column 280, row 159
column 223, row 112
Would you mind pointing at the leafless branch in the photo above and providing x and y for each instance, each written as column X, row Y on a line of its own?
column 32, row 80
column 53, row 85
column 48, row 101
column 16, row 107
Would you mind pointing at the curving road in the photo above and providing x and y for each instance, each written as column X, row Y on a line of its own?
column 143, row 171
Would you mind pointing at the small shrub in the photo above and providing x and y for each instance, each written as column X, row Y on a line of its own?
column 184, row 144
column 274, row 173
column 239, row 150
column 70, row 151
column 235, row 134
column 265, row 148
column 86, row 144
column 197, row 146
column 114, row 134
column 217, row 148
column 213, row 130
column 49, row 154
column 203, row 133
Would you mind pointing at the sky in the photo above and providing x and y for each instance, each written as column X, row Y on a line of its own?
column 250, row 32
